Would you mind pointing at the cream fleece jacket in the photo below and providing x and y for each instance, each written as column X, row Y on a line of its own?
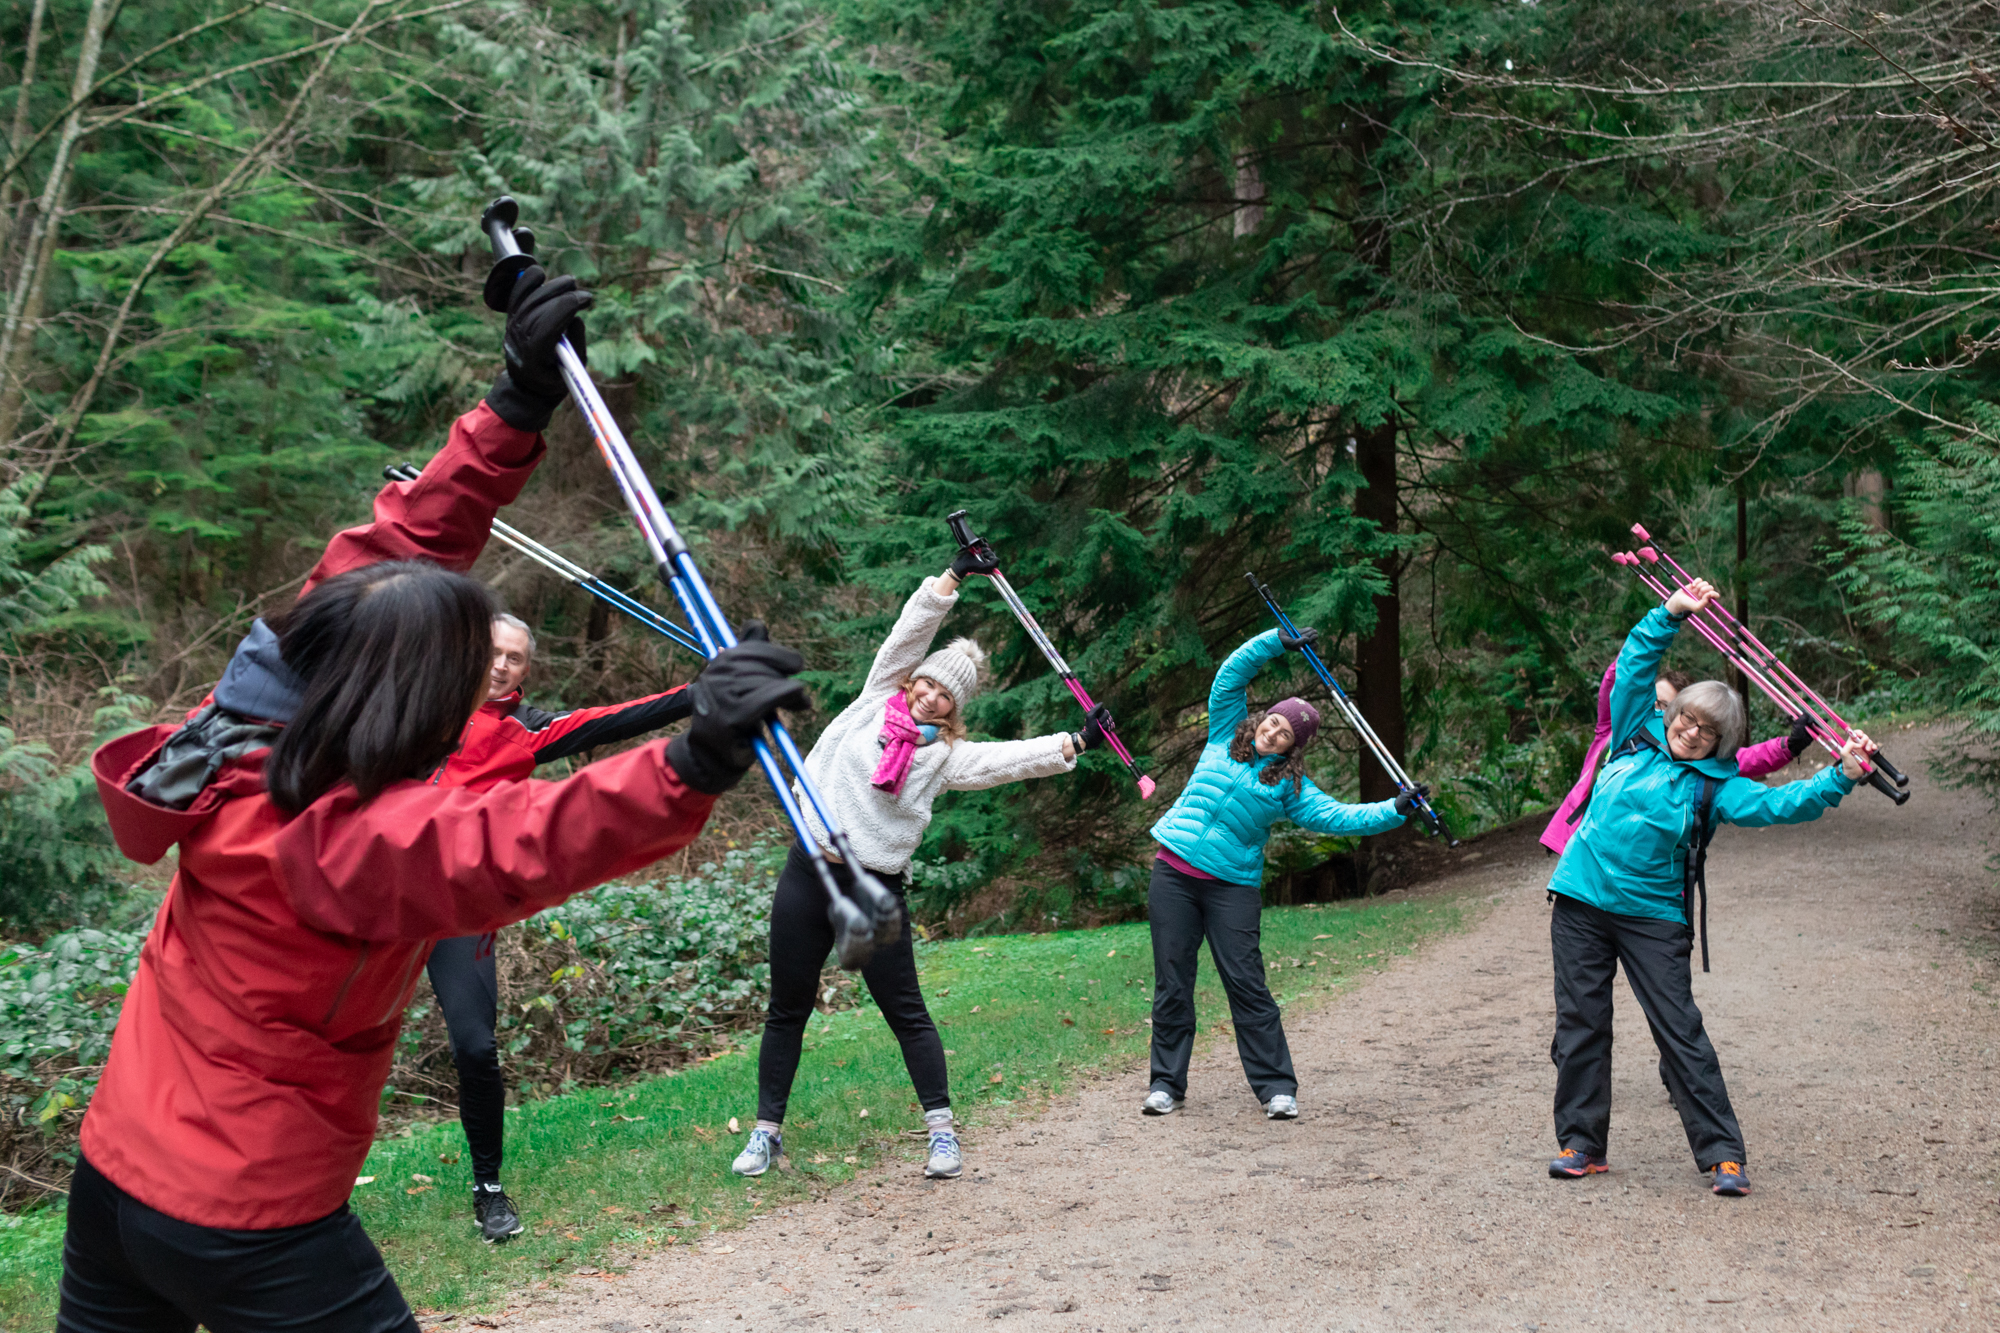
column 886, row 829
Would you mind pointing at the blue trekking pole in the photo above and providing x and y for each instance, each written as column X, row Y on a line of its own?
column 1404, row 785
column 569, row 570
column 856, row 931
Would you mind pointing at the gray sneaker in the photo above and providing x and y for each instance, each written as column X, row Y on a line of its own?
column 1282, row 1107
column 1161, row 1102
column 763, row 1149
column 946, row 1159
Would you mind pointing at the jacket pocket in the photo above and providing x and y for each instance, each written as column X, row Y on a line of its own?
column 340, row 996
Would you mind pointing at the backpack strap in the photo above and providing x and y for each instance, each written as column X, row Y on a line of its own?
column 1697, row 861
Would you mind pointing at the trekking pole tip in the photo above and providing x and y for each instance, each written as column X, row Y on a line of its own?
column 1145, row 788
column 1649, row 555
column 1641, row 533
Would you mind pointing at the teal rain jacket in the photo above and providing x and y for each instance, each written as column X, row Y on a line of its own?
column 1629, row 855
column 1224, row 815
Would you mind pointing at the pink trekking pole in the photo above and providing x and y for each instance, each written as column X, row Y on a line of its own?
column 961, row 529
column 1654, row 549
column 1829, row 733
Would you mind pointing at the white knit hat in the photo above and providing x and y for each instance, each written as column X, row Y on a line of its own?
column 956, row 667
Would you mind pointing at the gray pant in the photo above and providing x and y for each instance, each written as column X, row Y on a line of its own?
column 1588, row 946
column 1185, row 909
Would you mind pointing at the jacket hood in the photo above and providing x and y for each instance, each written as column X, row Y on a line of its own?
column 257, row 683
column 144, row 829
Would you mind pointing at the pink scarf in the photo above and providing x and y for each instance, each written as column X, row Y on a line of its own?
column 900, row 738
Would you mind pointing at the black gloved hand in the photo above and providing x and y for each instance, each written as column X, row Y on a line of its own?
column 733, row 697
column 1801, row 739
column 540, row 313
column 1094, row 724
column 1305, row 638
column 1407, row 798
column 972, row 560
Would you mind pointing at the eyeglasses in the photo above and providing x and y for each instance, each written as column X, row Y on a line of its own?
column 1701, row 733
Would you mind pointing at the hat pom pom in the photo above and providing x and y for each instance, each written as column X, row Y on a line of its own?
column 972, row 653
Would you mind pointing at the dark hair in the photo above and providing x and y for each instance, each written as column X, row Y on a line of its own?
column 1680, row 680
column 393, row 660
column 1277, row 768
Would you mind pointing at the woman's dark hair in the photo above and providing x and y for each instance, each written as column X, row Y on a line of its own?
column 1680, row 680
column 393, row 660
column 1243, row 749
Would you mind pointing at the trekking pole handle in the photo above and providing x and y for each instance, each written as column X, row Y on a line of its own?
column 1881, row 783
column 1894, row 774
column 961, row 528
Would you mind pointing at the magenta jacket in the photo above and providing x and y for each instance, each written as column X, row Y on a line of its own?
column 1752, row 761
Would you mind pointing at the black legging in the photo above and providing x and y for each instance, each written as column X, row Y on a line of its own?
column 801, row 939
column 468, row 992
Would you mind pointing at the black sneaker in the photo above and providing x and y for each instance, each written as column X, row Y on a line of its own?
column 1729, row 1180
column 495, row 1213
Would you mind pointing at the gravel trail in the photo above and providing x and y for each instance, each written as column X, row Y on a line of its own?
column 1853, row 1002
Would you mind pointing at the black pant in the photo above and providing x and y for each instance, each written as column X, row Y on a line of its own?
column 801, row 939
column 128, row 1268
column 1589, row 945
column 468, row 992
column 1185, row 909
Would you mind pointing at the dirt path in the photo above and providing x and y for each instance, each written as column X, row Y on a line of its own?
column 1412, row 1195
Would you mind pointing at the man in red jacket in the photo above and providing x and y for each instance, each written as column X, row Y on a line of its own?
column 504, row 742
column 317, row 865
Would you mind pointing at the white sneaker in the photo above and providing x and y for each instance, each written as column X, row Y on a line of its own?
column 1282, row 1107
column 1161, row 1102
column 946, row 1160
column 763, row 1148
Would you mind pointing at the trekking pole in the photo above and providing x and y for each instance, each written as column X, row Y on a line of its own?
column 961, row 530
column 1653, row 551
column 856, row 932
column 574, row 573
column 1825, row 732
column 1355, row 720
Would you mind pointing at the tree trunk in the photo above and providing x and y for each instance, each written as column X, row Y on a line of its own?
column 22, row 94
column 1378, row 657
column 24, row 306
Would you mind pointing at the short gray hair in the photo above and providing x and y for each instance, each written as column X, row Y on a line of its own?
column 1717, row 706
column 507, row 618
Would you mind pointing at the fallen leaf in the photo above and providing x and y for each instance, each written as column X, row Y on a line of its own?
column 702, row 1133
column 975, row 1008
column 615, row 1208
column 422, row 1179
column 850, row 1160
column 864, row 1113
column 628, row 1119
column 1113, row 953
column 587, row 1272
column 448, row 1158
column 734, row 1126
column 819, row 1157
column 1322, row 937
column 1068, row 1022
column 951, row 1052
column 571, row 1235
column 1111, row 1032
column 364, row 1180
column 997, row 1078
column 416, row 1189
column 727, row 1249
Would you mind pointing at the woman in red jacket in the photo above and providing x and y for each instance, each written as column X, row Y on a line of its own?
column 317, row 868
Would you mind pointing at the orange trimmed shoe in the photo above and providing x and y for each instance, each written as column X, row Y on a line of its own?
column 1574, row 1163
column 1730, row 1180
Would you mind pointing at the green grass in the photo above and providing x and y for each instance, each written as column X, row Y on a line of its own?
column 606, row 1175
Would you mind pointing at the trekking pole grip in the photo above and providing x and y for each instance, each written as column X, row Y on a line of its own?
column 1881, row 783
column 1894, row 774
column 961, row 529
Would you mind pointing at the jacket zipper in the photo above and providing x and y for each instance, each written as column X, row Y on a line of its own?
column 359, row 962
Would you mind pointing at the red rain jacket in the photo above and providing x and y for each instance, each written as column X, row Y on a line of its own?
column 251, row 1051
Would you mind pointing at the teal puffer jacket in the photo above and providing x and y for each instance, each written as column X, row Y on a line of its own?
column 1224, row 815
column 1630, row 853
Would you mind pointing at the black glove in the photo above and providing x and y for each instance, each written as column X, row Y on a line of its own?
column 972, row 560
column 1094, row 724
column 1406, row 799
column 733, row 698
column 540, row 313
column 1305, row 638
column 1800, row 740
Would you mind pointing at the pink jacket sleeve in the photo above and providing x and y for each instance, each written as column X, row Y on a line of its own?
column 1755, row 761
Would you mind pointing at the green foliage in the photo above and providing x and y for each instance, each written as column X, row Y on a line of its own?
column 1937, row 588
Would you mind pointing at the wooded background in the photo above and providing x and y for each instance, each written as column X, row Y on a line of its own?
column 1410, row 307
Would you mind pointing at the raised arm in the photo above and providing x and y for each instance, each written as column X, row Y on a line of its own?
column 1229, row 697
column 425, row 862
column 1313, row 810
column 909, row 641
column 445, row 515
column 1632, row 696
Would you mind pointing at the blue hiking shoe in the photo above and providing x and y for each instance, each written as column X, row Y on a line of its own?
column 763, row 1149
column 1574, row 1164
column 946, row 1159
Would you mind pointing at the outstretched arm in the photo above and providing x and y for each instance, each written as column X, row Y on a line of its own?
column 1229, row 697
column 977, row 765
column 1313, row 810
column 560, row 735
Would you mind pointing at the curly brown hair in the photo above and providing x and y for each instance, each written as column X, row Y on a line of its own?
column 1243, row 749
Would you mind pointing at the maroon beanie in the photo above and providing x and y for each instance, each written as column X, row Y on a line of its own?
column 1304, row 719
